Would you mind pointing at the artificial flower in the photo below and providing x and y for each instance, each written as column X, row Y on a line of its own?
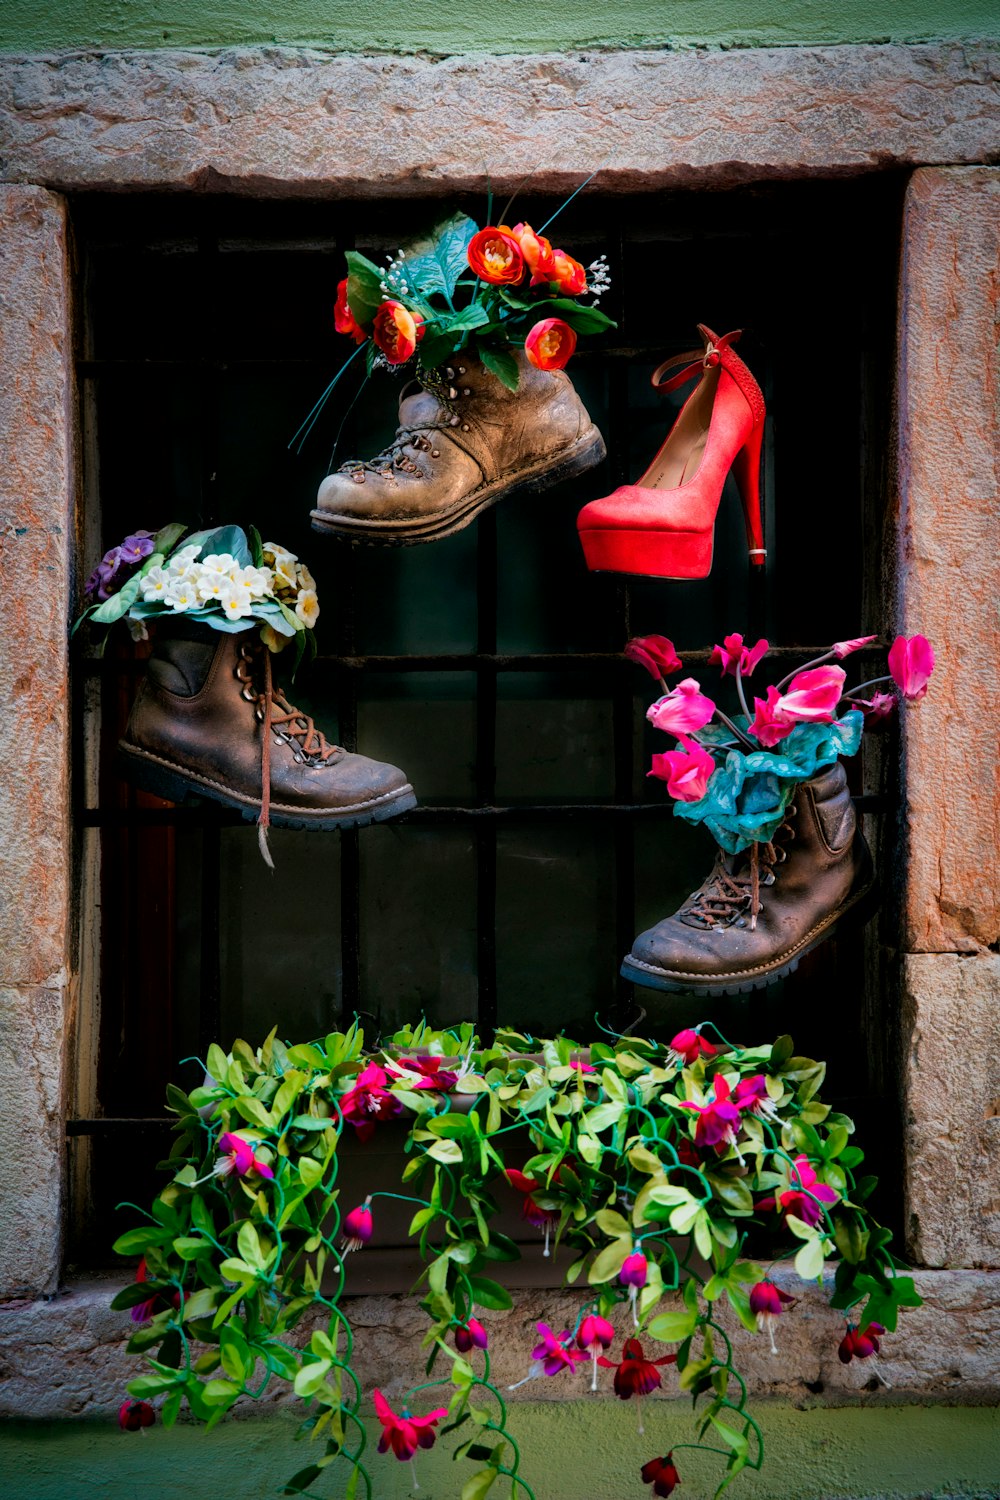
column 634, row 1271
column 568, row 274
column 555, row 1354
column 156, row 585
column 751, row 1094
column 718, row 1121
column 236, row 601
column 184, row 595
column 550, row 344
column 767, row 1301
column 358, row 1226
column 424, row 1073
column 137, row 546
column 406, row 1433
column 542, row 1218
column 733, row 653
column 134, row 1415
column 397, row 331
column 537, row 251
column 307, row 607
column 470, row 1335
column 142, row 1312
column 805, row 1196
column 687, row 771
column 911, row 662
column 877, row 709
column 767, row 725
column 812, row 696
column 841, row 649
column 594, row 1335
column 343, row 319
column 687, row 1046
column 635, row 1375
column 860, row 1345
column 683, row 710
column 662, row 1475
column 496, row 257
column 237, row 1155
column 656, row 653
column 369, row 1101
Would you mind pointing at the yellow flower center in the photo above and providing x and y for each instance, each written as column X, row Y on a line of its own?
column 549, row 343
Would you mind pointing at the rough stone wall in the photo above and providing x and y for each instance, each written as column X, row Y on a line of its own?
column 36, row 518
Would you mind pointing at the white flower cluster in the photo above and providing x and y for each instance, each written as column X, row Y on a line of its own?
column 186, row 582
column 394, row 283
column 598, row 278
column 292, row 583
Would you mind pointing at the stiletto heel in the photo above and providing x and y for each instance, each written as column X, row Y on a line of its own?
column 663, row 526
column 746, row 472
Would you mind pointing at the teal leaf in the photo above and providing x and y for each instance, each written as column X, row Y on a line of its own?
column 119, row 604
column 218, row 539
column 473, row 316
column 435, row 263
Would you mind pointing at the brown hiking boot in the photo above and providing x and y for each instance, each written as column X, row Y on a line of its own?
column 208, row 720
column 760, row 911
column 464, row 442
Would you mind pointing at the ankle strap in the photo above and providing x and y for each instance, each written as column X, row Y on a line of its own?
column 695, row 361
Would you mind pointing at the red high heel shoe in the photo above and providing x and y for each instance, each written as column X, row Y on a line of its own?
column 663, row 526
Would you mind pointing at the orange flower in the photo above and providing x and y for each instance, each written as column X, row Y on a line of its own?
column 397, row 331
column 550, row 344
column 537, row 252
column 569, row 273
column 343, row 319
column 495, row 257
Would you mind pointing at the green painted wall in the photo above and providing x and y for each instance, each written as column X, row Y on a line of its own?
column 445, row 26
column 581, row 1450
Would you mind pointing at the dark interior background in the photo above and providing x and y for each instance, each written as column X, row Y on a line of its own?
column 488, row 665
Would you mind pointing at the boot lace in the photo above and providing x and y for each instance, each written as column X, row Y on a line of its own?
column 395, row 456
column 728, row 894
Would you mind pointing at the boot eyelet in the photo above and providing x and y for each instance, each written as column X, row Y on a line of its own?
column 454, row 421
column 461, row 369
column 452, row 393
column 258, row 714
column 467, row 391
column 248, row 694
column 449, row 373
column 435, row 453
column 465, row 427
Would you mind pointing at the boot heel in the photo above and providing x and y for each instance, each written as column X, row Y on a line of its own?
column 746, row 472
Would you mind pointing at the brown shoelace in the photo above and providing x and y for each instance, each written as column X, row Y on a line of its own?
column 727, row 894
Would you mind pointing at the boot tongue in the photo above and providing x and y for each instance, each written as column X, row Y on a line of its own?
column 419, row 408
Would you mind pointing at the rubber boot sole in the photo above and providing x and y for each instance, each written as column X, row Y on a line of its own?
column 584, row 454
column 152, row 773
column 855, row 912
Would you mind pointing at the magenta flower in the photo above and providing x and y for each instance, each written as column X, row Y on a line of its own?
column 134, row 1415
column 718, row 1121
column 470, row 1335
column 841, row 649
column 687, row 772
column 369, row 1101
column 593, row 1336
column 542, row 1218
column 406, row 1433
column 683, row 710
column 143, row 1311
column 424, row 1073
column 662, row 1475
column 767, row 725
column 687, row 1046
column 358, row 1226
column 876, row 709
column 732, row 654
column 555, row 1354
column 635, row 1375
column 911, row 662
column 656, row 653
column 767, row 1301
column 858, row 1345
column 238, row 1156
column 812, row 697
column 634, row 1271
column 751, row 1094
column 804, row 1197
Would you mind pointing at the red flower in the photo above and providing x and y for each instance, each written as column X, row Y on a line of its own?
column 876, row 709
column 686, row 770
column 718, row 1121
column 470, row 1335
column 662, row 1475
column 405, row 1434
column 767, row 725
column 805, row 1197
column 397, row 331
column 143, row 1311
column 860, row 1345
column 656, row 653
column 911, row 662
column 530, row 1210
column 568, row 273
column 555, row 1354
column 369, row 1101
column 687, row 1046
column 812, row 697
column 636, row 1375
column 343, row 319
column 766, row 1301
column 550, row 344
column 634, row 1271
column 358, row 1226
column 238, row 1156
column 841, row 649
column 537, row 251
column 134, row 1415
column 683, row 710
column 496, row 257
column 423, row 1073
column 732, row 654
column 751, row 1094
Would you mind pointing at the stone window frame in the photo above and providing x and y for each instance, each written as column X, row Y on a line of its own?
column 271, row 122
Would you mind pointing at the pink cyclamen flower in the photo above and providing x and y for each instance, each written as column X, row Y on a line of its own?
column 719, row 1120
column 654, row 652
column 369, row 1101
column 405, row 1433
column 594, row 1335
column 662, row 1475
column 767, row 1301
column 687, row 1046
column 686, row 771
column 841, row 649
column 911, row 662
column 767, row 725
column 751, row 1094
column 732, row 654
column 470, row 1335
column 877, row 709
column 805, row 1196
column 358, row 1226
column 812, row 696
column 858, row 1345
column 238, row 1156
column 683, row 710
column 134, row 1415
column 555, row 1354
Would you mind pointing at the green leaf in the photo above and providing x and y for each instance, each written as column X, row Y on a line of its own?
column 473, row 316
column 596, row 1120
column 445, row 1151
column 502, row 364
column 782, row 1051
column 580, row 317
column 310, row 1171
column 436, row 347
column 611, row 1222
column 138, row 1241
column 249, row 1246
column 609, row 1261
column 302, row 1480
column 252, row 1110
column 479, row 1485
column 733, row 1192
column 364, row 290
column 119, row 604
column 672, row 1327
column 490, row 1294
column 732, row 1439
column 311, row 1377
column 810, row 1260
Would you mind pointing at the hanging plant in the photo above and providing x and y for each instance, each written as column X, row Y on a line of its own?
column 674, row 1176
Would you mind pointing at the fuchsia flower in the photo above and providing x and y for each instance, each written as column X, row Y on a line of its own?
column 358, row 1226
column 134, row 1415
column 541, row 1218
column 593, row 1335
column 684, row 709
column 424, row 1073
column 687, row 1046
column 858, row 1345
column 656, row 653
column 876, row 709
column 686, row 771
column 751, row 1094
column 369, row 1101
column 238, row 1156
column 766, row 1300
column 143, row 1311
column 635, row 1375
column 470, row 1335
column 718, row 1121
column 732, row 654
column 662, row 1475
column 634, row 1271
column 911, row 662
column 806, row 1196
column 555, row 1354
column 841, row 649
column 406, row 1433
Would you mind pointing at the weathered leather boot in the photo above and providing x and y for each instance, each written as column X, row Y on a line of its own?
column 760, row 911
column 464, row 442
column 208, row 720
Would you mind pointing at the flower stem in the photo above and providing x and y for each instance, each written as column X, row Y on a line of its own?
column 742, row 695
column 738, row 732
column 817, row 661
column 872, row 682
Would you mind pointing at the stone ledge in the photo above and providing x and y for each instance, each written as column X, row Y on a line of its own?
column 284, row 121
column 66, row 1357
